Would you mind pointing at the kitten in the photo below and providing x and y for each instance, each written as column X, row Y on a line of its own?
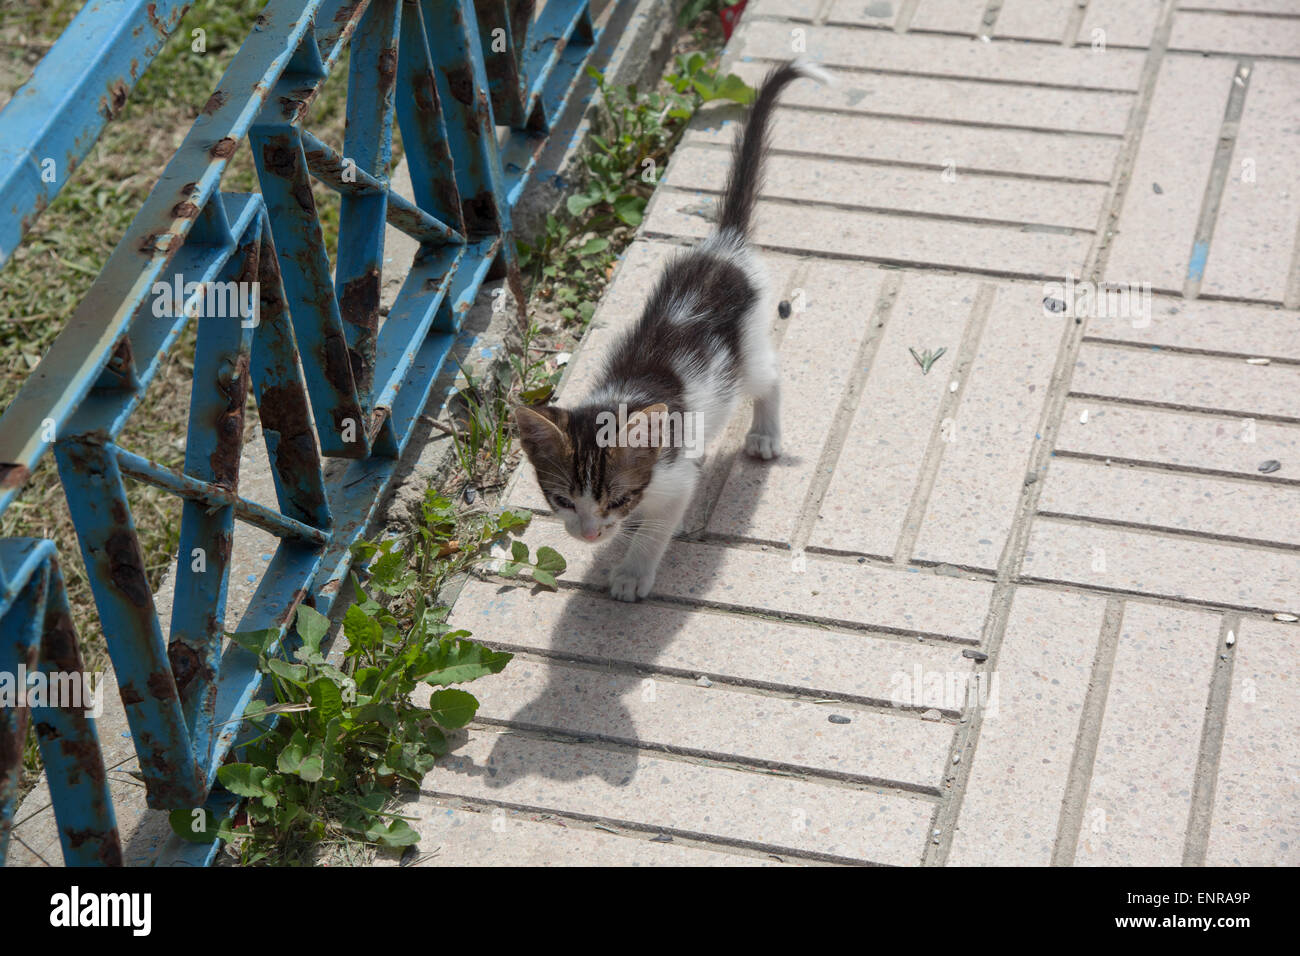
column 630, row 451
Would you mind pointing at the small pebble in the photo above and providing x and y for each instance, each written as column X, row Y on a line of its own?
column 661, row 838
column 839, row 719
column 1231, row 639
column 1031, row 477
column 1285, row 618
column 956, row 758
column 1083, row 417
column 1257, row 361
column 703, row 681
column 1053, row 305
column 1155, row 188
column 1270, row 466
column 932, row 714
column 783, row 310
column 862, row 560
column 562, row 358
column 953, row 385
column 974, row 654
column 470, row 494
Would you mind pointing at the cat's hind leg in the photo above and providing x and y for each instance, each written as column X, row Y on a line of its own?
column 764, row 438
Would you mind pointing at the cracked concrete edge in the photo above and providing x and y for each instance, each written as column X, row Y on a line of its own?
column 636, row 45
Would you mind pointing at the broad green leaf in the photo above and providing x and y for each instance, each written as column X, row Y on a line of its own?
column 548, row 559
column 461, row 661
column 255, row 642
column 546, row 579
column 630, row 209
column 593, row 246
column 312, row 626
column 362, row 631
column 294, row 673
column 519, row 551
column 326, row 698
column 452, row 708
column 245, row 780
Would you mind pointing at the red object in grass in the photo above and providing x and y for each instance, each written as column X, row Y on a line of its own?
column 730, row 16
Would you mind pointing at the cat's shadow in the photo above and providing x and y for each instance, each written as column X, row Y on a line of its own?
column 599, row 706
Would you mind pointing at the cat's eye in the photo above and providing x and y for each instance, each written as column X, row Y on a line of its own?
column 562, row 502
column 619, row 502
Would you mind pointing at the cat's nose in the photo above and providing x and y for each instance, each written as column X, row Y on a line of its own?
column 591, row 535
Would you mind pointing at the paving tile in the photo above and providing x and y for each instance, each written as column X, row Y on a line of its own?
column 707, row 801
column 946, row 56
column 1165, row 499
column 1243, row 6
column 1121, row 22
column 1251, row 36
column 582, row 625
column 452, row 836
column 949, row 16
column 1012, row 801
column 1208, row 442
column 719, row 722
column 1140, row 793
column 867, row 13
column 1156, row 231
column 884, row 450
column 1256, row 819
column 977, row 488
column 895, row 239
column 1034, row 19
column 935, row 145
column 1192, row 381
column 1254, row 239
column 828, row 590
column 960, row 100
column 1163, row 565
column 969, row 195
column 761, row 500
column 1205, row 325
column 783, row 9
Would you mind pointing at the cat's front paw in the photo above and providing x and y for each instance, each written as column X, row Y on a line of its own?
column 763, row 446
column 628, row 584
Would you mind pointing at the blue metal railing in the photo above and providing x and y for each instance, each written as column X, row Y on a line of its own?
column 329, row 379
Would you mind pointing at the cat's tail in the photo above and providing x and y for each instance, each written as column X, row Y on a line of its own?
column 746, row 177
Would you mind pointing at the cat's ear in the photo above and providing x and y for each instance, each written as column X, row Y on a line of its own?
column 541, row 431
column 644, row 435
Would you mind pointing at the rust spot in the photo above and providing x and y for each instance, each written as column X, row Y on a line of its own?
column 59, row 643
column 224, row 148
column 336, row 365
column 123, row 358
column 283, row 409
column 130, row 696
column 13, row 476
column 359, row 303
column 126, row 568
column 185, row 661
column 230, row 426
column 461, row 83
column 152, row 12
column 184, row 210
column 480, row 213
column 115, row 100
column 85, row 753
column 387, row 66
column 161, row 685
column 215, row 102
